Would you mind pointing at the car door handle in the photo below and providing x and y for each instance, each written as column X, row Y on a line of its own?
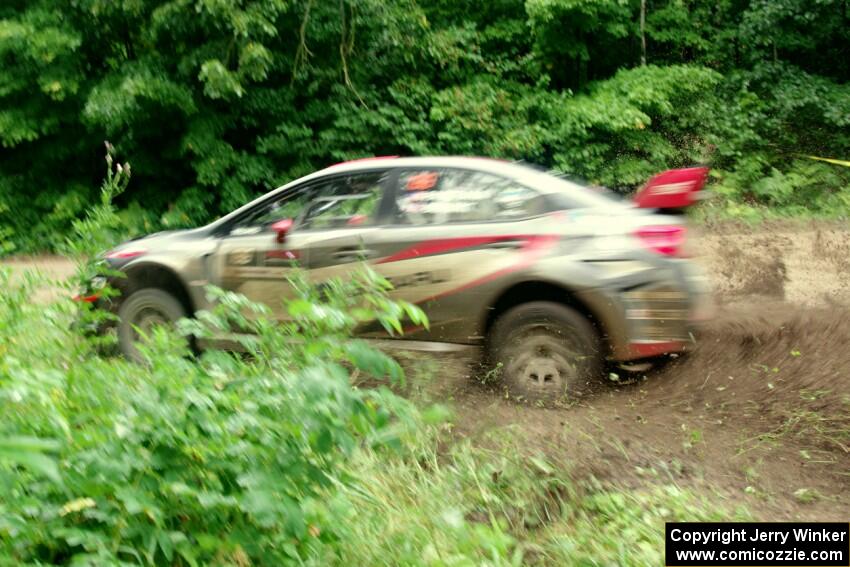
column 353, row 253
column 506, row 245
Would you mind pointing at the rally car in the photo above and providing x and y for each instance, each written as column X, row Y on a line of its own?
column 551, row 277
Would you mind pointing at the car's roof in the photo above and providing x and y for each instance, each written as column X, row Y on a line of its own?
column 498, row 166
column 521, row 172
column 420, row 161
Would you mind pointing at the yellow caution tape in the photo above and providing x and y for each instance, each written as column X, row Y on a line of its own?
column 830, row 160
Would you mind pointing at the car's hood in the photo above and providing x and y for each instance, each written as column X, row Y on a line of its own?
column 160, row 234
column 155, row 241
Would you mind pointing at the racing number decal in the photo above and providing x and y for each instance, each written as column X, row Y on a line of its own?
column 424, row 181
column 248, row 257
column 241, row 257
column 420, row 278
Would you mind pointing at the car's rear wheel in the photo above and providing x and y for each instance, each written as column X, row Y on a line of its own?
column 140, row 313
column 545, row 352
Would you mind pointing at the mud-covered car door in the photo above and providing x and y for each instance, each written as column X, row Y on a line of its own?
column 341, row 223
column 251, row 261
column 447, row 237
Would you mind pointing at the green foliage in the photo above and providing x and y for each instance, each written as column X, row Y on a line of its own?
column 218, row 460
column 28, row 452
column 805, row 188
column 219, row 101
column 562, row 30
column 274, row 459
column 101, row 227
column 777, row 110
column 187, row 461
column 499, row 506
column 7, row 245
column 637, row 123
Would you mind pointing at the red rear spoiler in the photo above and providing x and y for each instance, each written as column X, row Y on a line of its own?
column 672, row 189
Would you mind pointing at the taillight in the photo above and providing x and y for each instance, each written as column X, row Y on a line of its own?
column 663, row 239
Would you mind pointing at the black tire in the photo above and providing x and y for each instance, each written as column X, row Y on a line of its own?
column 546, row 352
column 144, row 309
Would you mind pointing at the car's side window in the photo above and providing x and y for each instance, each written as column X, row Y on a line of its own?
column 345, row 200
column 287, row 206
column 439, row 196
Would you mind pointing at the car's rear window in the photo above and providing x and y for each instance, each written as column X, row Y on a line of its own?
column 431, row 196
column 567, row 194
column 574, row 196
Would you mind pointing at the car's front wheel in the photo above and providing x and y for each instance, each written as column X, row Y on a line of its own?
column 545, row 351
column 140, row 313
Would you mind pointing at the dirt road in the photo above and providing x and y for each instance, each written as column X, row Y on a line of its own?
column 758, row 414
column 47, row 268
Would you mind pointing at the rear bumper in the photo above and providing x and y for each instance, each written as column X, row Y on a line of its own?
column 653, row 318
column 650, row 349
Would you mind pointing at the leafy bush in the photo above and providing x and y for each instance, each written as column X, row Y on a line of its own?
column 801, row 188
column 7, row 246
column 183, row 461
column 215, row 460
column 637, row 123
column 270, row 461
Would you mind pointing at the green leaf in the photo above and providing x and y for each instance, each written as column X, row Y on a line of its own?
column 28, row 452
column 372, row 361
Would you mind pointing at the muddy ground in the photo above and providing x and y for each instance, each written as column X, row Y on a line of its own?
column 758, row 414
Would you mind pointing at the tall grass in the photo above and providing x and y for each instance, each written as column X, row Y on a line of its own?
column 458, row 504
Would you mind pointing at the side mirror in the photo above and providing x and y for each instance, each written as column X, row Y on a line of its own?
column 281, row 228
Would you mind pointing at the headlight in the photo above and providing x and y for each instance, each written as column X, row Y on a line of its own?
column 126, row 253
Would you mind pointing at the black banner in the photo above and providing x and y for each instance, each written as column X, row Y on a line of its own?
column 762, row 544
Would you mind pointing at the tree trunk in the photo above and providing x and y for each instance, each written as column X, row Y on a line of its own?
column 643, row 32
